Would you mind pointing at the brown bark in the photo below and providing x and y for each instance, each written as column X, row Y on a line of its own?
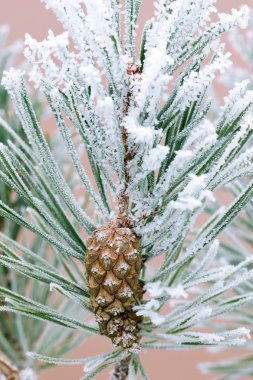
column 121, row 369
column 8, row 369
column 124, row 199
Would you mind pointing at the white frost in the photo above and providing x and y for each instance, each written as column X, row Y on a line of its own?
column 156, row 289
column 28, row 374
column 154, row 158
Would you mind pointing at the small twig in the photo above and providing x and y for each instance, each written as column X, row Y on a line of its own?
column 7, row 369
column 121, row 369
column 123, row 199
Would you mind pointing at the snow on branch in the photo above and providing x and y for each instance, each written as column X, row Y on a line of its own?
column 143, row 128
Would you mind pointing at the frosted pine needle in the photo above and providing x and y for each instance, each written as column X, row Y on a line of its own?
column 153, row 161
column 17, row 334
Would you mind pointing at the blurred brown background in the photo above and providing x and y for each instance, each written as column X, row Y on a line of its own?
column 30, row 16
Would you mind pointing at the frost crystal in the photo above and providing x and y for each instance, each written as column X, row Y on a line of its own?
column 138, row 133
column 156, row 318
column 110, row 282
column 154, row 159
column 193, row 195
column 156, row 289
column 28, row 374
column 12, row 80
column 194, row 84
column 241, row 17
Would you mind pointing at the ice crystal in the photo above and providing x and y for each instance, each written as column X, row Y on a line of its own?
column 156, row 289
column 28, row 374
column 154, row 159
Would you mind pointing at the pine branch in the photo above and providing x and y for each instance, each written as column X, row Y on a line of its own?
column 18, row 334
column 154, row 167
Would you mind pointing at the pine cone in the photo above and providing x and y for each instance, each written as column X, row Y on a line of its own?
column 113, row 265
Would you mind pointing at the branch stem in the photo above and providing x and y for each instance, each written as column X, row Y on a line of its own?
column 121, row 369
column 123, row 199
column 7, row 369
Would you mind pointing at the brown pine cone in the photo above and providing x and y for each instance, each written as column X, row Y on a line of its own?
column 113, row 265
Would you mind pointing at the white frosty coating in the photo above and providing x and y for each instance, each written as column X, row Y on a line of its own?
column 202, row 138
column 241, row 331
column 193, row 195
column 124, row 266
column 204, row 264
column 110, row 282
column 154, row 158
column 90, row 75
column 246, row 127
column 156, row 289
column 242, row 166
column 105, row 106
column 127, row 292
column 213, row 338
column 138, row 133
column 237, row 101
column 76, row 72
column 106, row 256
column 209, row 338
column 92, row 365
column 167, row 25
column 12, row 80
column 95, row 270
column 241, row 16
column 92, row 32
column 153, row 80
column 196, row 315
column 54, row 286
column 101, row 300
column 242, row 43
column 53, row 46
column 193, row 85
column 28, row 374
column 156, row 318
column 88, row 85
column 149, row 310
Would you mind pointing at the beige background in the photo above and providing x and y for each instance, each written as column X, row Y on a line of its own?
column 30, row 16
